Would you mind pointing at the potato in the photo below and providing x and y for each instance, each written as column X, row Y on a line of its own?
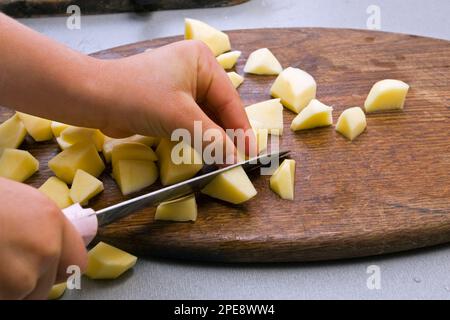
column 386, row 95
column 57, row 291
column 132, row 151
column 263, row 62
column 170, row 172
column 261, row 135
column 84, row 187
column 58, row 191
column 235, row 78
column 63, row 144
column 108, row 262
column 296, row 88
column 38, row 128
column 316, row 114
column 182, row 209
column 216, row 40
column 58, row 127
column 283, row 180
column 74, row 135
column 228, row 60
column 110, row 143
column 232, row 186
column 79, row 156
column 17, row 165
column 135, row 175
column 12, row 133
column 267, row 115
column 351, row 123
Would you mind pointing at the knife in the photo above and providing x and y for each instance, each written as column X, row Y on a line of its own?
column 87, row 221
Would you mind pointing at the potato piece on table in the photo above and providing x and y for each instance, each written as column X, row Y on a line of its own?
column 228, row 60
column 316, row 114
column 110, row 143
column 57, row 291
column 282, row 181
column 84, row 187
column 267, row 115
column 263, row 62
column 74, row 135
column 58, row 191
column 351, row 123
column 216, row 40
column 386, row 95
column 182, row 209
column 135, row 175
column 12, row 133
column 132, row 151
column 236, row 79
column 38, row 128
column 17, row 165
column 58, row 127
column 63, row 144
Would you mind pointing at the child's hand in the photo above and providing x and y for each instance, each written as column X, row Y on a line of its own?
column 37, row 243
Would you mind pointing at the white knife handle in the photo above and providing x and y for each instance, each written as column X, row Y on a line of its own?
column 84, row 220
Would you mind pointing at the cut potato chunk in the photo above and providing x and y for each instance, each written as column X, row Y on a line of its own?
column 38, row 128
column 58, row 127
column 232, row 186
column 63, row 144
column 351, row 123
column 267, row 115
column 283, row 180
column 58, row 191
column 57, row 291
column 74, row 135
column 108, row 262
column 79, row 156
column 183, row 209
column 110, row 143
column 386, row 95
column 216, row 40
column 17, row 165
column 235, row 78
column 12, row 133
column 135, row 175
column 263, row 62
column 228, row 60
column 84, row 187
column 316, row 114
column 170, row 172
column 296, row 88
column 132, row 151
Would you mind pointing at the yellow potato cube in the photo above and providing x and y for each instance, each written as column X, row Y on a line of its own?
column 58, row 191
column 386, row 95
column 183, row 209
column 110, row 143
column 263, row 62
column 170, row 172
column 228, row 60
column 84, row 187
column 12, row 133
column 351, row 123
column 108, row 262
column 132, row 151
column 216, row 40
column 63, row 144
column 232, row 186
column 235, row 78
column 57, row 291
column 58, row 127
column 283, row 180
column 74, row 135
column 17, row 165
column 135, row 175
column 295, row 87
column 316, row 114
column 39, row 129
column 79, row 156
column 267, row 115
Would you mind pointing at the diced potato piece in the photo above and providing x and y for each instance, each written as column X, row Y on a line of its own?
column 58, row 127
column 12, row 133
column 79, row 156
column 74, row 135
column 295, row 87
column 58, row 191
column 263, row 62
column 267, row 115
column 38, row 128
column 17, row 165
column 386, row 95
column 63, row 144
column 57, row 291
column 132, row 151
column 109, row 144
column 316, row 114
column 135, row 175
column 283, row 180
column 84, row 187
column 232, row 186
column 228, row 60
column 183, row 209
column 108, row 262
column 170, row 172
column 235, row 78
column 216, row 40
column 351, row 123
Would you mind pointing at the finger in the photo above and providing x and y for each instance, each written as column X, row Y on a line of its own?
column 44, row 284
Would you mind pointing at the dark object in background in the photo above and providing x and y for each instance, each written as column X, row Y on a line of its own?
column 26, row 8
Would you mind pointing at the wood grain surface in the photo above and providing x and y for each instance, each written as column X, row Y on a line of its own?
column 387, row 191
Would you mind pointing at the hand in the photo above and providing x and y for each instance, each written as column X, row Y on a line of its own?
column 37, row 243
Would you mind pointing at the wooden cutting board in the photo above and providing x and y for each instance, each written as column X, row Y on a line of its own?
column 387, row 191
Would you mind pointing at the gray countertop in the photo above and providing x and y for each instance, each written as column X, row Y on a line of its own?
column 414, row 275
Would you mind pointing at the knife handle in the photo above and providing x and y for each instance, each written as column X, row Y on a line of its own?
column 84, row 220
